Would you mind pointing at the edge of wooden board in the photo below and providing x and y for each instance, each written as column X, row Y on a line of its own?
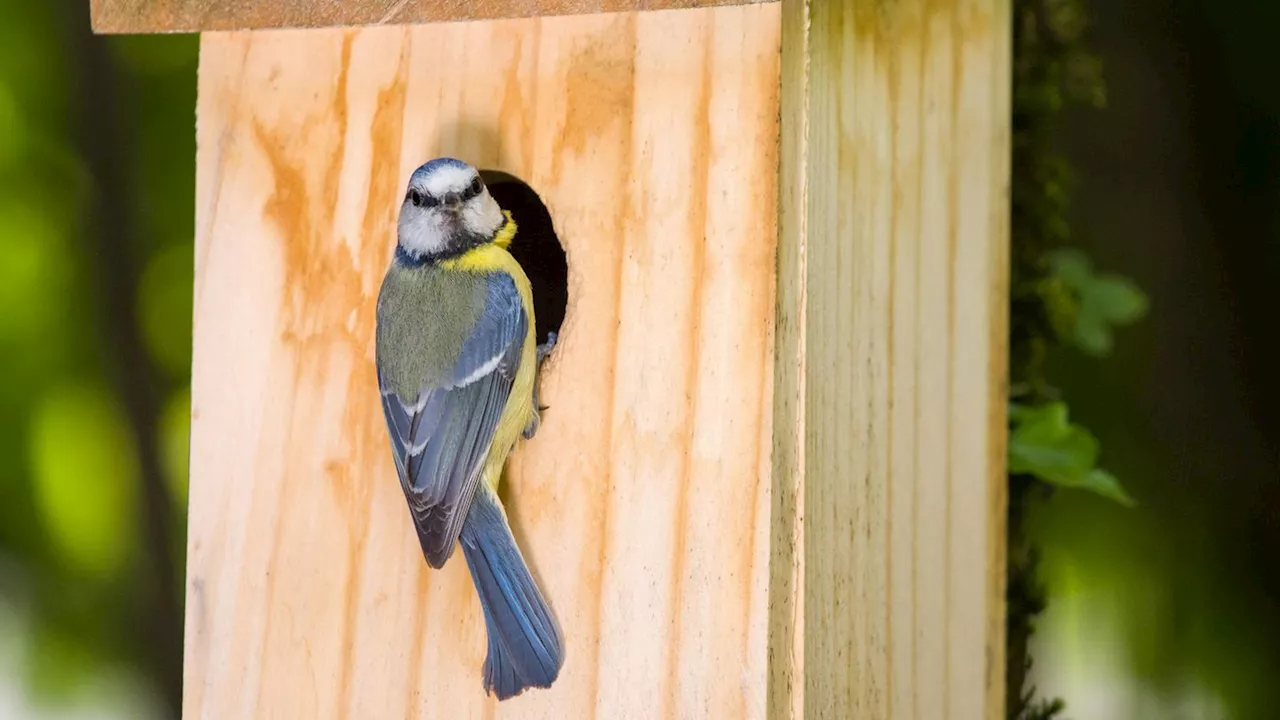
column 184, row 16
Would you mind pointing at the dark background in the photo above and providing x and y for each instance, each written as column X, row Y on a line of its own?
column 1172, row 609
column 1167, row 610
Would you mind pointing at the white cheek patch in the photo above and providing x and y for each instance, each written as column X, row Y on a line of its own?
column 482, row 216
column 447, row 179
column 422, row 232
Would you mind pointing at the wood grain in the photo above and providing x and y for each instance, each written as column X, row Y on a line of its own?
column 149, row 16
column 889, row 485
column 644, row 501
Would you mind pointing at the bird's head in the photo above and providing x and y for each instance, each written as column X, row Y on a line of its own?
column 446, row 210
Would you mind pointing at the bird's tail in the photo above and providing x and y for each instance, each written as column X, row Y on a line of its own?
column 525, row 646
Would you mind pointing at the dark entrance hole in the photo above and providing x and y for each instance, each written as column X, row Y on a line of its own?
column 536, row 248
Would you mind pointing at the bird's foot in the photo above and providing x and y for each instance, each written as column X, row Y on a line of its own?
column 545, row 348
column 535, row 420
column 543, row 351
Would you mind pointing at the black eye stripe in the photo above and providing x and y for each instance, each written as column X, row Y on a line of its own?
column 423, row 199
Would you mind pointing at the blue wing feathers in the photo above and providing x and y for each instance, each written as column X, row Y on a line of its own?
column 441, row 437
column 501, row 328
column 440, row 440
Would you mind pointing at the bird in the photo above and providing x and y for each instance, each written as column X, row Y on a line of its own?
column 456, row 366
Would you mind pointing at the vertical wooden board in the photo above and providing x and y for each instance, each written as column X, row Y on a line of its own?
column 936, row 288
column 904, row 105
column 643, row 504
column 786, row 638
column 979, row 388
column 892, row 306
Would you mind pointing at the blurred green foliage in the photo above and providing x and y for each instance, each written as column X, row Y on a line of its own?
column 1056, row 301
column 89, row 524
column 1167, row 610
column 1084, row 306
column 1043, row 443
column 73, row 558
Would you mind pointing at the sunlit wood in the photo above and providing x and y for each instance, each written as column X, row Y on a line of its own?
column 889, row 485
column 643, row 503
column 771, row 480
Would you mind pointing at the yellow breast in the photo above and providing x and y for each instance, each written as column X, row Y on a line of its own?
column 493, row 257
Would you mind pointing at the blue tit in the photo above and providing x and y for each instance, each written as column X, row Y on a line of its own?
column 457, row 361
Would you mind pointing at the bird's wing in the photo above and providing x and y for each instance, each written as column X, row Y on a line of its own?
column 441, row 437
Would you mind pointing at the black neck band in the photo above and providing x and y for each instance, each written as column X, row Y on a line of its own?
column 464, row 243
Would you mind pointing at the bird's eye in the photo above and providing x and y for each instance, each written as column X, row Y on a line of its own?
column 475, row 186
column 415, row 197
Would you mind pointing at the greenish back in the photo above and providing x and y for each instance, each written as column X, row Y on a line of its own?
column 425, row 314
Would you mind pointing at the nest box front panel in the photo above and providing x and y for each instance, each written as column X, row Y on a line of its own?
column 642, row 504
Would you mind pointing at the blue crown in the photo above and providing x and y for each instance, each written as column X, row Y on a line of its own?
column 431, row 166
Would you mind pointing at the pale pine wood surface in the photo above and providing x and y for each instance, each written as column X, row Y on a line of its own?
column 643, row 504
column 889, row 485
column 142, row 16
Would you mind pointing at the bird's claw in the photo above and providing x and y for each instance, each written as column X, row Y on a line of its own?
column 543, row 351
column 545, row 348
column 535, row 420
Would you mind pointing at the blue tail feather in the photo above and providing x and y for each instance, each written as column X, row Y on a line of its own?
column 525, row 646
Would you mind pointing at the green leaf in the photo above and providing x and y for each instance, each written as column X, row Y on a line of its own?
column 1072, row 266
column 1092, row 335
column 1107, row 485
column 1101, row 302
column 1045, row 444
column 1061, row 305
column 1117, row 299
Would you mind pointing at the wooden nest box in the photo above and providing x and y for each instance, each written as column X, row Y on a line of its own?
column 770, row 483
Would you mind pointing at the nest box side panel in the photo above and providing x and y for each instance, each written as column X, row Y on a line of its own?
column 643, row 502
column 891, row 362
